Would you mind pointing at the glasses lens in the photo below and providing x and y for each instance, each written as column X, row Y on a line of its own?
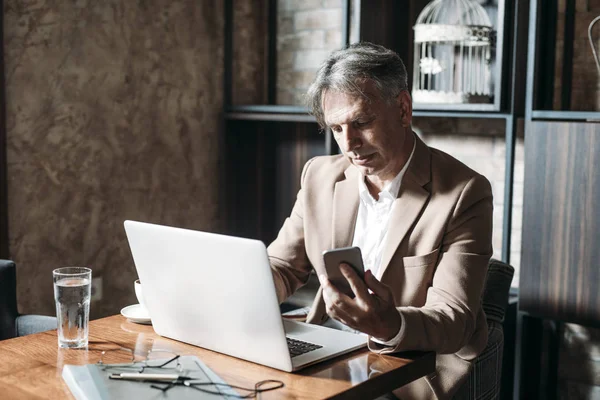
column 117, row 356
column 162, row 358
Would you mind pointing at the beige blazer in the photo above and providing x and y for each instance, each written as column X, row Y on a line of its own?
column 435, row 258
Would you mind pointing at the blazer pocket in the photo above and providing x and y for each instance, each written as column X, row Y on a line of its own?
column 421, row 261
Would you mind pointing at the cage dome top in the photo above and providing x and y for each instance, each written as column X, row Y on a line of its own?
column 454, row 12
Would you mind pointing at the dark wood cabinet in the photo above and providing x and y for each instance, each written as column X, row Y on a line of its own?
column 265, row 160
column 561, row 222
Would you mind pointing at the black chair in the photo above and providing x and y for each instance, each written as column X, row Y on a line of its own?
column 484, row 381
column 12, row 324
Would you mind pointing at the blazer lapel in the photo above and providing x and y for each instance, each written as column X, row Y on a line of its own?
column 411, row 199
column 345, row 208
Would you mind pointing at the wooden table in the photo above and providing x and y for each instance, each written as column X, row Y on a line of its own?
column 31, row 366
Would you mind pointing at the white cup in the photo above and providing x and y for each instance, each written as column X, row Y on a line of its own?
column 139, row 294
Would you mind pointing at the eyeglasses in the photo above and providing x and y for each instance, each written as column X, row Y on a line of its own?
column 163, row 359
column 202, row 386
column 195, row 378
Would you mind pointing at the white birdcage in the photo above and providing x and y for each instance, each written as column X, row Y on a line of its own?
column 453, row 50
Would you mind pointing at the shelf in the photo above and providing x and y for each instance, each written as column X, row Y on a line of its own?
column 589, row 116
column 299, row 114
column 269, row 113
column 471, row 107
column 458, row 114
column 268, row 108
column 280, row 117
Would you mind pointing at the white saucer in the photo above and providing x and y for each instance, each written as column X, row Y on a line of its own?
column 136, row 313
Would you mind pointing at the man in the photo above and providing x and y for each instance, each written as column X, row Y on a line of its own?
column 422, row 219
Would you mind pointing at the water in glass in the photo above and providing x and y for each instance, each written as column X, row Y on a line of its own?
column 72, row 296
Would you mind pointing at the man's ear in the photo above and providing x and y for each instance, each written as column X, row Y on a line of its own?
column 404, row 102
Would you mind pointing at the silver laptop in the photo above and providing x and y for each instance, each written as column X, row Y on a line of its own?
column 217, row 292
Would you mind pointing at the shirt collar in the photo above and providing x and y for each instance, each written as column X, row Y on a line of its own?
column 390, row 191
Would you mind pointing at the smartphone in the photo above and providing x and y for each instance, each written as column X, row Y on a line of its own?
column 349, row 255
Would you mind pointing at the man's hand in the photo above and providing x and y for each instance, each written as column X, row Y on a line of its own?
column 371, row 313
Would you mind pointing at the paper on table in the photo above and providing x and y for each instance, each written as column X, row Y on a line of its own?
column 298, row 314
column 90, row 382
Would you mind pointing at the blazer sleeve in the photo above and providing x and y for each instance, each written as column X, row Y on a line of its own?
column 447, row 320
column 287, row 254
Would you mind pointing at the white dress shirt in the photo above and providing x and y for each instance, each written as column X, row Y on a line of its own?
column 370, row 231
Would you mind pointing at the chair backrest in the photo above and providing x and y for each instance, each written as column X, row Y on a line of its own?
column 485, row 379
column 8, row 299
column 497, row 289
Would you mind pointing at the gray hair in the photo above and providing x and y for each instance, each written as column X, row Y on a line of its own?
column 345, row 69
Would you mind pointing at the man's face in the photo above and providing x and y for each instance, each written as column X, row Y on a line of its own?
column 371, row 133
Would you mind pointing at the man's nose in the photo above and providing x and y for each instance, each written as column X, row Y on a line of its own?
column 350, row 138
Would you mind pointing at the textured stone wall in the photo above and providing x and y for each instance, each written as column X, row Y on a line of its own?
column 249, row 83
column 113, row 113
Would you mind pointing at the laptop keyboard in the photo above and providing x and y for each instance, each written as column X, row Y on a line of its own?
column 298, row 347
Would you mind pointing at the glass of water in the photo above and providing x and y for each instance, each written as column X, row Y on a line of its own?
column 72, row 286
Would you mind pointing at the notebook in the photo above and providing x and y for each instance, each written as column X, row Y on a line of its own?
column 91, row 382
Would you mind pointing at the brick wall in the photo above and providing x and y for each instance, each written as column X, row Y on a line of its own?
column 480, row 144
column 307, row 32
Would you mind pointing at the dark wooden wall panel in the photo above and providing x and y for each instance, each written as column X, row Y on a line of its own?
column 263, row 176
column 291, row 153
column 246, row 165
column 380, row 21
column 560, row 269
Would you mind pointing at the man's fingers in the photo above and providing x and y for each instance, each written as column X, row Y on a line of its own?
column 356, row 284
column 338, row 304
column 342, row 315
column 340, row 307
column 328, row 288
column 331, row 294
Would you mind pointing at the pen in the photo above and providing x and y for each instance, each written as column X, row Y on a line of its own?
column 135, row 376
